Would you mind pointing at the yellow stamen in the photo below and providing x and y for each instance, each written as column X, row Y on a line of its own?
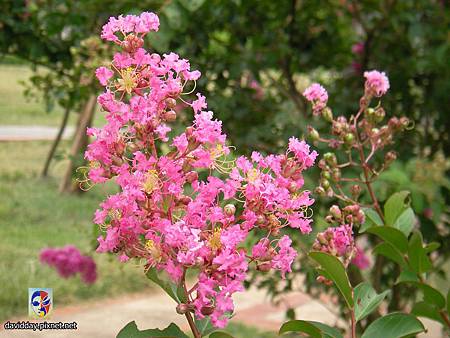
column 151, row 182
column 153, row 249
column 214, row 240
column 252, row 175
column 128, row 81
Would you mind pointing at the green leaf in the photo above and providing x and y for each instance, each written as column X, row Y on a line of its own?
column 327, row 331
column 301, row 326
column 432, row 247
column 372, row 219
column 417, row 255
column 204, row 325
column 131, row 331
column 405, row 222
column 220, row 334
column 367, row 300
column 407, row 276
column 430, row 294
column 336, row 272
column 395, row 206
column 312, row 328
column 394, row 325
column 423, row 309
column 173, row 290
column 391, row 235
column 387, row 250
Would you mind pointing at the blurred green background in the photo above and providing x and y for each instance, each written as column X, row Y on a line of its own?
column 256, row 58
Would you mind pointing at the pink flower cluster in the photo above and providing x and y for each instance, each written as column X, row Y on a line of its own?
column 377, row 83
column 68, row 261
column 360, row 259
column 318, row 96
column 141, row 24
column 337, row 241
column 183, row 203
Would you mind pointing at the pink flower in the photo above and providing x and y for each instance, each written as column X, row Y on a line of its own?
column 68, row 261
column 376, row 83
column 360, row 259
column 358, row 48
column 316, row 93
column 103, row 75
column 285, row 256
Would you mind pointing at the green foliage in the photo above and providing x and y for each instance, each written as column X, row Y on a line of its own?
column 395, row 206
column 392, row 236
column 334, row 270
column 418, row 258
column 367, row 300
column 311, row 328
column 394, row 325
column 176, row 292
column 131, row 331
column 220, row 334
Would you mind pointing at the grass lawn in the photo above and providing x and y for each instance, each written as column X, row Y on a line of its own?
column 15, row 109
column 32, row 216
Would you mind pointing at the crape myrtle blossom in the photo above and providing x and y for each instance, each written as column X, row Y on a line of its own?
column 165, row 215
column 377, row 83
column 318, row 96
column 68, row 261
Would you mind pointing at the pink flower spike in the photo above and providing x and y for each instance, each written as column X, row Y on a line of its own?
column 316, row 93
column 376, row 83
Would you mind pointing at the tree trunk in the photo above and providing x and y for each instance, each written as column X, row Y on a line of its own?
column 55, row 143
column 79, row 144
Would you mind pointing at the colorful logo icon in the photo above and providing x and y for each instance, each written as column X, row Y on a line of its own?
column 40, row 302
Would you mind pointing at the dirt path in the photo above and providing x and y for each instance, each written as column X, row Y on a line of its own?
column 104, row 319
column 31, row 133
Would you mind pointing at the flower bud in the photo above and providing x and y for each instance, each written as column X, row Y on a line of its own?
column 320, row 191
column 260, row 219
column 379, row 114
column 327, row 114
column 349, row 139
column 292, row 187
column 325, row 183
column 321, row 238
column 355, row 190
column 330, row 158
column 264, row 266
column 313, row 134
column 326, row 175
column 170, row 102
column 229, row 209
column 117, row 161
column 191, row 176
column 329, row 219
column 336, row 212
column 207, row 310
column 390, row 157
column 182, row 309
column 132, row 147
column 170, row 116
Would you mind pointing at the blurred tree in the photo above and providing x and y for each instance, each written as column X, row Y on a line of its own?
column 259, row 55
column 60, row 39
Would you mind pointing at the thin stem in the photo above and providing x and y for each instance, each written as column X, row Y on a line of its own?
column 352, row 311
column 194, row 329
column 444, row 317
column 188, row 314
